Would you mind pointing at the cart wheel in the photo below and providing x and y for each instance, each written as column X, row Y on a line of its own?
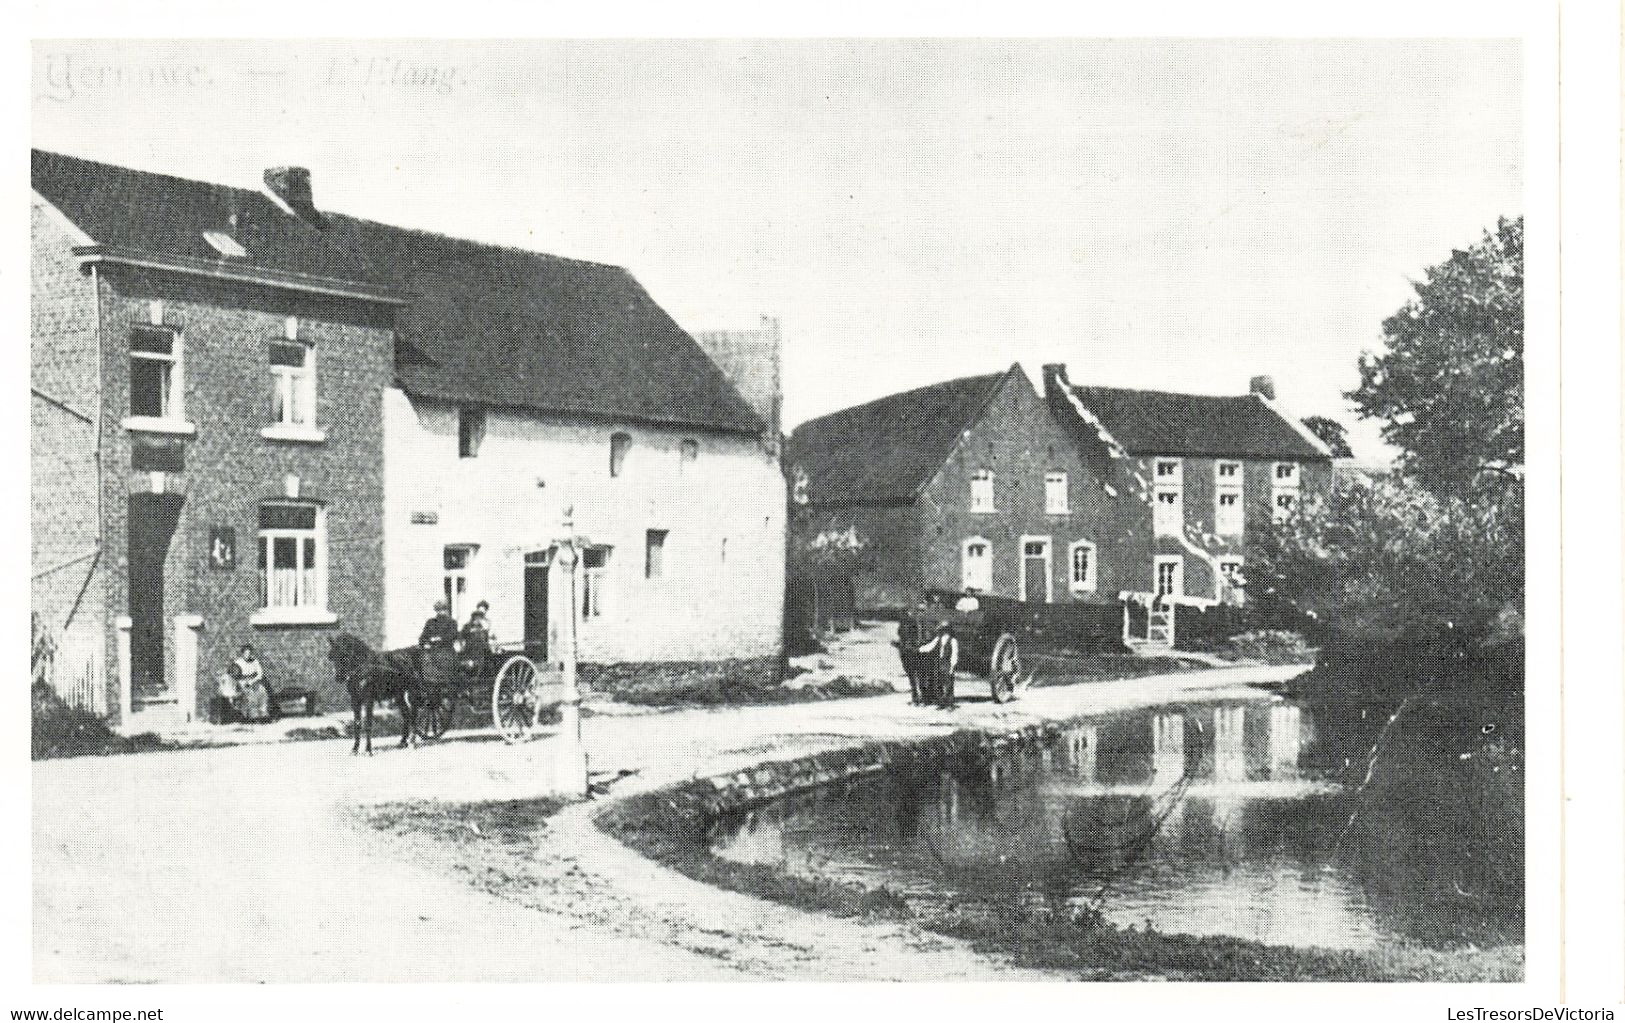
column 434, row 717
column 513, row 699
column 1003, row 668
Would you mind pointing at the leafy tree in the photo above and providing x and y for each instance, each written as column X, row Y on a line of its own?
column 1449, row 386
column 1331, row 433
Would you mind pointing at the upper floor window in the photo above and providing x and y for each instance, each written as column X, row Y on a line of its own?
column 470, row 431
column 156, row 382
column 293, row 384
column 1168, row 512
column 293, row 556
column 976, row 565
column 1170, row 471
column 1284, row 492
column 1085, row 568
column 981, row 490
column 654, row 553
column 1055, row 493
column 619, row 445
column 1229, row 515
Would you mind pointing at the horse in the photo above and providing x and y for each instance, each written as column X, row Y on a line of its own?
column 370, row 676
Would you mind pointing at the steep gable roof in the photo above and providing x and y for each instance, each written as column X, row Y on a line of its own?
column 513, row 328
column 1169, row 423
column 884, row 451
column 486, row 325
column 167, row 216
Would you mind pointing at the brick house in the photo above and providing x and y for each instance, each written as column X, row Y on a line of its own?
column 256, row 421
column 1084, row 495
column 968, row 484
column 1195, row 475
column 207, row 378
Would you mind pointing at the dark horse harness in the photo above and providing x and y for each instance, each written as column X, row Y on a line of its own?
column 369, row 676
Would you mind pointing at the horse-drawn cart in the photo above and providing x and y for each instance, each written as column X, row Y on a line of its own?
column 519, row 690
column 987, row 636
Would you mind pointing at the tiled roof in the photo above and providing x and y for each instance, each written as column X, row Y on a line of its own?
column 883, row 452
column 513, row 328
column 1168, row 423
column 486, row 324
column 167, row 216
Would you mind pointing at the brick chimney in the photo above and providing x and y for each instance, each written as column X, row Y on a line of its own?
column 292, row 186
column 750, row 359
column 1263, row 386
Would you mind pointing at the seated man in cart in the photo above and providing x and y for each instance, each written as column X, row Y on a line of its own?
column 476, row 640
column 437, row 647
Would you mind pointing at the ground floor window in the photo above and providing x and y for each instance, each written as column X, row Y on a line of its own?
column 456, row 562
column 976, row 565
column 594, row 560
column 293, row 556
column 1234, row 581
column 1084, row 568
column 1170, row 571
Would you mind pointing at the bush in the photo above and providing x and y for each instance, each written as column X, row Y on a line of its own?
column 63, row 731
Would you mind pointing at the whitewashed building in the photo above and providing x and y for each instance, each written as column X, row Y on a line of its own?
column 529, row 388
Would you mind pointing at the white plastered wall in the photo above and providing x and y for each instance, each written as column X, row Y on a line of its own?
column 510, row 499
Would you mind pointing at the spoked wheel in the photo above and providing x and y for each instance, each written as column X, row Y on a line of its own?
column 513, row 699
column 434, row 717
column 1004, row 667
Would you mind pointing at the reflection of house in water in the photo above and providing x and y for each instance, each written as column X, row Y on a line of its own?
column 1167, row 749
column 1079, row 745
column 1285, row 740
column 1229, row 744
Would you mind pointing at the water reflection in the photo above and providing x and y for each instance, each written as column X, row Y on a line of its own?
column 1215, row 819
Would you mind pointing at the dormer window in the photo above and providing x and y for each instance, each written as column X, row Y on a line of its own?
column 470, row 431
column 225, row 244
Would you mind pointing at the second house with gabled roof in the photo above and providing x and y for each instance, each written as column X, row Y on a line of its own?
column 970, row 484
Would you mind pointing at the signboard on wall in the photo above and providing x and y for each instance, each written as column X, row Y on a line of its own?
column 222, row 548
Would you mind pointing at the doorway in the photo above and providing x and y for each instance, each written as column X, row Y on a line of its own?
column 152, row 522
column 536, row 605
column 1036, row 584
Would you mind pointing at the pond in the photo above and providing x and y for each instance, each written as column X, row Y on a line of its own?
column 1260, row 819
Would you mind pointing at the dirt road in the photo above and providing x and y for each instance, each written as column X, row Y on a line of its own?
column 253, row 863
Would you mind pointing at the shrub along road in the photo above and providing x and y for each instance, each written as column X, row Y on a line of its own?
column 296, row 862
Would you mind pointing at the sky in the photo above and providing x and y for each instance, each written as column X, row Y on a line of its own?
column 1173, row 214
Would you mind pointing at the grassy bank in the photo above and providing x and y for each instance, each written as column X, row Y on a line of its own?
column 671, row 827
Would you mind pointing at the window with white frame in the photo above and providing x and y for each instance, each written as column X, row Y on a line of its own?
column 456, row 561
column 1170, row 577
column 293, row 556
column 1230, row 571
column 1056, row 501
column 1284, row 491
column 976, row 565
column 1229, row 518
column 1168, row 500
column 981, row 490
column 293, row 384
column 156, row 374
column 594, row 562
column 1085, row 568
